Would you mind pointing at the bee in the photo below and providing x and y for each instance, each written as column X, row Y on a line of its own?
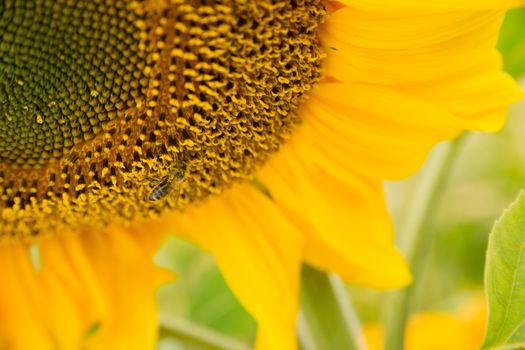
column 167, row 184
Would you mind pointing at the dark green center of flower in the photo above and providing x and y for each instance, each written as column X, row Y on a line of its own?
column 116, row 110
column 66, row 68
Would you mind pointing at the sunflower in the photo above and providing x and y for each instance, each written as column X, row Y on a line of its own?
column 261, row 130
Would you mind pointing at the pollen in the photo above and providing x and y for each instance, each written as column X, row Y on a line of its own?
column 106, row 105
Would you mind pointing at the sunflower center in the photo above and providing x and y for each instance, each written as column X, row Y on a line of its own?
column 118, row 110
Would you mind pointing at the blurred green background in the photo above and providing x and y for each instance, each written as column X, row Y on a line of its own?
column 487, row 176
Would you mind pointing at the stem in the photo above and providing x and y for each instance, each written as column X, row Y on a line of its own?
column 198, row 336
column 417, row 239
column 327, row 319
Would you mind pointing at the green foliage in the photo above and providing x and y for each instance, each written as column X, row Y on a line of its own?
column 505, row 279
column 512, row 42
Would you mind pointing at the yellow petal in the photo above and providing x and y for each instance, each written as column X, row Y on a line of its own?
column 401, row 47
column 91, row 290
column 389, row 5
column 386, row 133
column 21, row 322
column 347, row 130
column 346, row 224
column 479, row 96
column 259, row 253
column 463, row 329
column 444, row 60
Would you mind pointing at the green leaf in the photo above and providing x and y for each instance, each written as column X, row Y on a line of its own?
column 505, row 279
column 512, row 42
